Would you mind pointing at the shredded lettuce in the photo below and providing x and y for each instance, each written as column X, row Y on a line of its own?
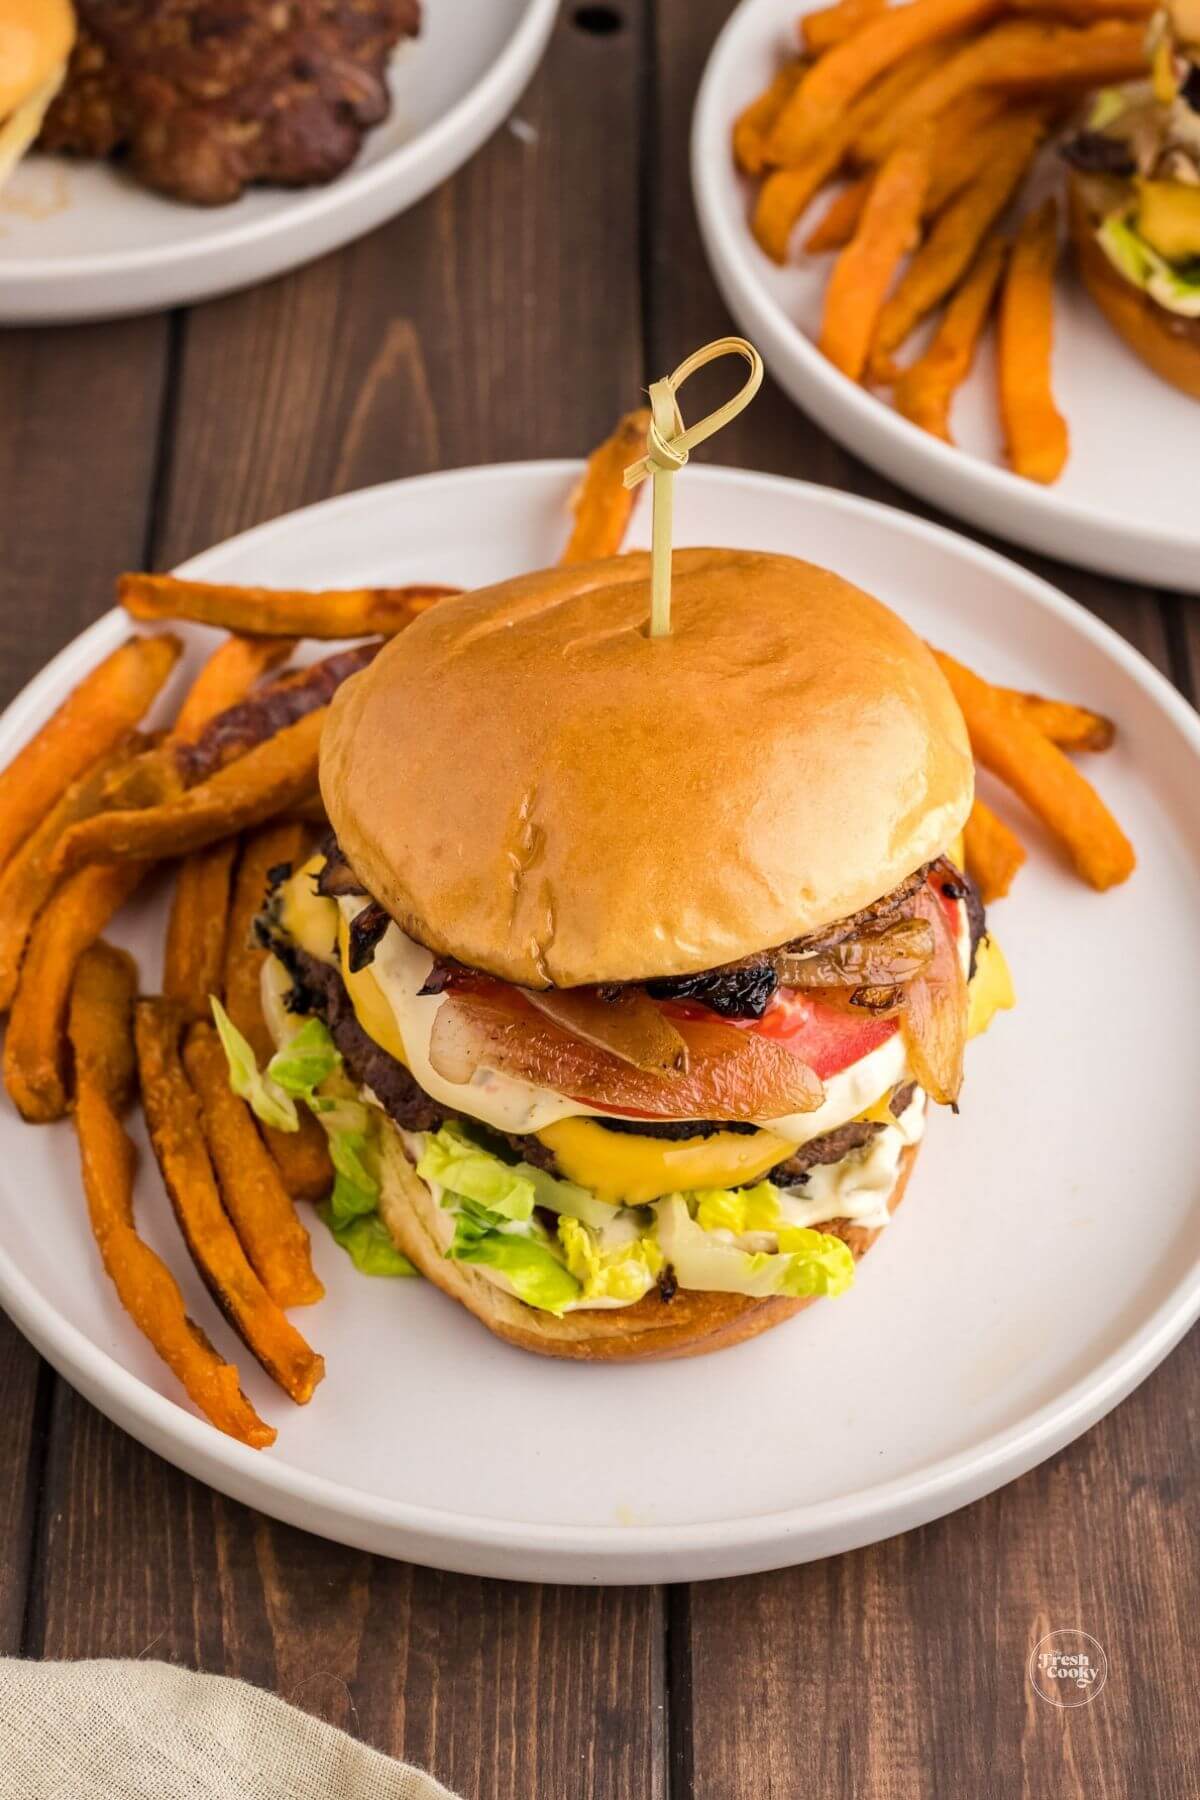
column 1175, row 287
column 308, row 1057
column 367, row 1243
column 263, row 1095
column 520, row 1253
column 625, row 1273
column 806, row 1263
column 1108, row 104
column 457, row 1164
column 738, row 1209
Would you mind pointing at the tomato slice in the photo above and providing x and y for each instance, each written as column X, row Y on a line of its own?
column 818, row 1034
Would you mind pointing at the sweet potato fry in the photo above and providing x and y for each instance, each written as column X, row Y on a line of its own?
column 194, row 953
column 829, row 26
column 1035, row 432
column 34, row 1049
column 826, row 91
column 94, row 718
column 233, row 669
column 755, row 120
column 602, row 504
column 101, row 1034
column 962, row 153
column 27, row 883
column 1005, row 742
column 1084, row 12
column 165, row 771
column 864, row 270
column 1069, row 726
column 786, row 192
column 947, row 253
column 840, row 220
column 266, row 781
column 264, row 1218
column 927, row 387
column 994, row 852
column 279, row 612
column 1018, row 57
column 262, row 715
column 172, row 1113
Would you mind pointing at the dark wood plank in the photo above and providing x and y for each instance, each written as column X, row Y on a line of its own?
column 502, row 1690
column 901, row 1669
column 500, row 319
column 70, row 514
column 78, row 452
column 26, row 1385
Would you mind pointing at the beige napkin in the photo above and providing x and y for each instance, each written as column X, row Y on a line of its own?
column 149, row 1731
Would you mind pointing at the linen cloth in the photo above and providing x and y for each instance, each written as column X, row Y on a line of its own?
column 150, row 1731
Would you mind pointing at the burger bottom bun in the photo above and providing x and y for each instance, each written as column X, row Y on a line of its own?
column 1167, row 344
column 690, row 1324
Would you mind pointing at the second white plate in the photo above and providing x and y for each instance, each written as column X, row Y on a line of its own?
column 82, row 240
column 1125, row 504
column 1045, row 1259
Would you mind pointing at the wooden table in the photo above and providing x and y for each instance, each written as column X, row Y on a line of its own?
column 515, row 314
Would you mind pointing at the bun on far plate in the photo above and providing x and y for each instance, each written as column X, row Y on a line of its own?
column 1168, row 342
column 36, row 37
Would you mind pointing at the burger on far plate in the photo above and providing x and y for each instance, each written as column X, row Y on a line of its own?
column 628, row 974
column 35, row 43
column 1135, row 202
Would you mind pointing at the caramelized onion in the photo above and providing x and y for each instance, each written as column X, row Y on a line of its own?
column 877, row 956
column 934, row 1023
column 629, row 1025
column 731, row 1074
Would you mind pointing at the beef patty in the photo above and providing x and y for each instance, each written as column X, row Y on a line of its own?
column 206, row 96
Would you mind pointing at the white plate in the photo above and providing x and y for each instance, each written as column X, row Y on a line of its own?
column 1044, row 1262
column 1124, row 504
column 82, row 240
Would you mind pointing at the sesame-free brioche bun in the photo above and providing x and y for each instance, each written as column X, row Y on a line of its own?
column 531, row 784
column 652, row 1329
column 1170, row 345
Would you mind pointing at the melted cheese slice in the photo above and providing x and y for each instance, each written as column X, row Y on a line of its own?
column 626, row 1168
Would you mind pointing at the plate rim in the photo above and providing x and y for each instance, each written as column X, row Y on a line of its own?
column 311, row 206
column 942, row 466
column 561, row 1550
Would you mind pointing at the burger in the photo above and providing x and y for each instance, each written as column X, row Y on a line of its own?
column 35, row 43
column 631, row 966
column 1135, row 202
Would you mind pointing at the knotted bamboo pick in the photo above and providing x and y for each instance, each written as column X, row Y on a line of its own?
column 668, row 442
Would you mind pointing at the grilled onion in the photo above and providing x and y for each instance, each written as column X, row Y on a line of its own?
column 731, row 1074
column 876, row 956
column 629, row 1026
column 934, row 1023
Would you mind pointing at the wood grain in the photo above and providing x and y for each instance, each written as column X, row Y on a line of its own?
column 71, row 513
column 502, row 1690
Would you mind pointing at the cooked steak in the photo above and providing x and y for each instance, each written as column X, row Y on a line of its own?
column 207, row 96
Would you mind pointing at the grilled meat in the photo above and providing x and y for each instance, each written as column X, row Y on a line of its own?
column 207, row 96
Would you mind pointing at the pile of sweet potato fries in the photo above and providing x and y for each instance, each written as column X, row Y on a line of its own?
column 932, row 113
column 227, row 794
